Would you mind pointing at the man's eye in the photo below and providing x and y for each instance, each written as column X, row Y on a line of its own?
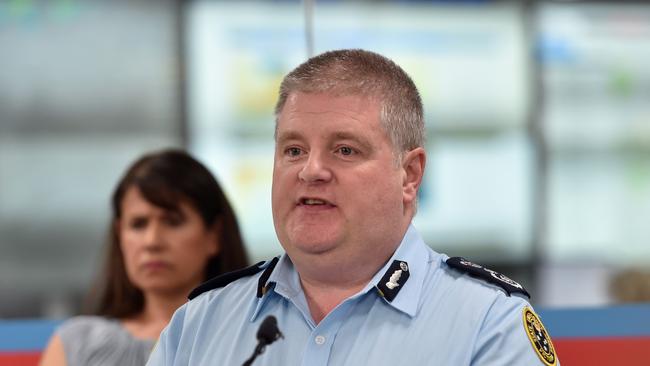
column 293, row 151
column 346, row 150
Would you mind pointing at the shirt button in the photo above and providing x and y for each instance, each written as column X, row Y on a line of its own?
column 319, row 340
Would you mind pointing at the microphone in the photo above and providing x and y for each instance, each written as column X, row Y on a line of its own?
column 267, row 334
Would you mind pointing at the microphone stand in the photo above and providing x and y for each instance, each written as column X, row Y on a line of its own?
column 258, row 351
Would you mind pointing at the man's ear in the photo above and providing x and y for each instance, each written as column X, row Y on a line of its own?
column 413, row 164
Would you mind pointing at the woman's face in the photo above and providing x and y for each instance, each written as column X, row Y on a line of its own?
column 164, row 251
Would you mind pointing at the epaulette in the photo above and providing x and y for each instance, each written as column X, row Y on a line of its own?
column 393, row 281
column 476, row 270
column 226, row 278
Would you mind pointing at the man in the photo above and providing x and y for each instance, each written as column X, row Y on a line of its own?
column 357, row 285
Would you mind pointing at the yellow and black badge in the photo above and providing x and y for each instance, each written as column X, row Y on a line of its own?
column 539, row 337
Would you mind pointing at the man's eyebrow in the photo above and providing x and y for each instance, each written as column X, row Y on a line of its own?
column 342, row 135
column 338, row 135
column 288, row 135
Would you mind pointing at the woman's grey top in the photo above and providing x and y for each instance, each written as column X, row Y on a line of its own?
column 98, row 341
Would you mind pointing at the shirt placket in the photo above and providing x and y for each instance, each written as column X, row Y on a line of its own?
column 319, row 347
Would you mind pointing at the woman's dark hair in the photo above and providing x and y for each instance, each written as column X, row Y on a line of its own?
column 165, row 178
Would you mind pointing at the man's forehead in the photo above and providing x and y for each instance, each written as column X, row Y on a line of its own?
column 303, row 111
column 327, row 98
column 304, row 107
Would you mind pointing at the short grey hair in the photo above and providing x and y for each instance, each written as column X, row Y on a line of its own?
column 368, row 74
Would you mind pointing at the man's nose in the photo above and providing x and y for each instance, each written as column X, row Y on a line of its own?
column 315, row 169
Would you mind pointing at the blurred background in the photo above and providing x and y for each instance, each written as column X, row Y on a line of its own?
column 537, row 114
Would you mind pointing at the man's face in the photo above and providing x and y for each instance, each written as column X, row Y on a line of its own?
column 337, row 192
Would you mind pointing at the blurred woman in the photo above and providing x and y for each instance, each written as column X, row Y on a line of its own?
column 171, row 229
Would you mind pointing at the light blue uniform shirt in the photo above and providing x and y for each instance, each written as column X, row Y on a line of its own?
column 440, row 316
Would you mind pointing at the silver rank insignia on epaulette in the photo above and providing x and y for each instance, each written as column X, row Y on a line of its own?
column 476, row 270
column 393, row 280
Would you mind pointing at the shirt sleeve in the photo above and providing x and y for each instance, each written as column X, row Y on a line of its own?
column 507, row 338
column 165, row 351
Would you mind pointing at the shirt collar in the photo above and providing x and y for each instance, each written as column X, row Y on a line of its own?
column 414, row 252
column 284, row 279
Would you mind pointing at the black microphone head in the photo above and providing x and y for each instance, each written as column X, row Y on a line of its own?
column 268, row 332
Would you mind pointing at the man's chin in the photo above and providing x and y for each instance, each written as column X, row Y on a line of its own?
column 313, row 245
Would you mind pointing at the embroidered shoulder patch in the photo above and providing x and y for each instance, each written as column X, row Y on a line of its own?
column 476, row 270
column 539, row 337
column 226, row 278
